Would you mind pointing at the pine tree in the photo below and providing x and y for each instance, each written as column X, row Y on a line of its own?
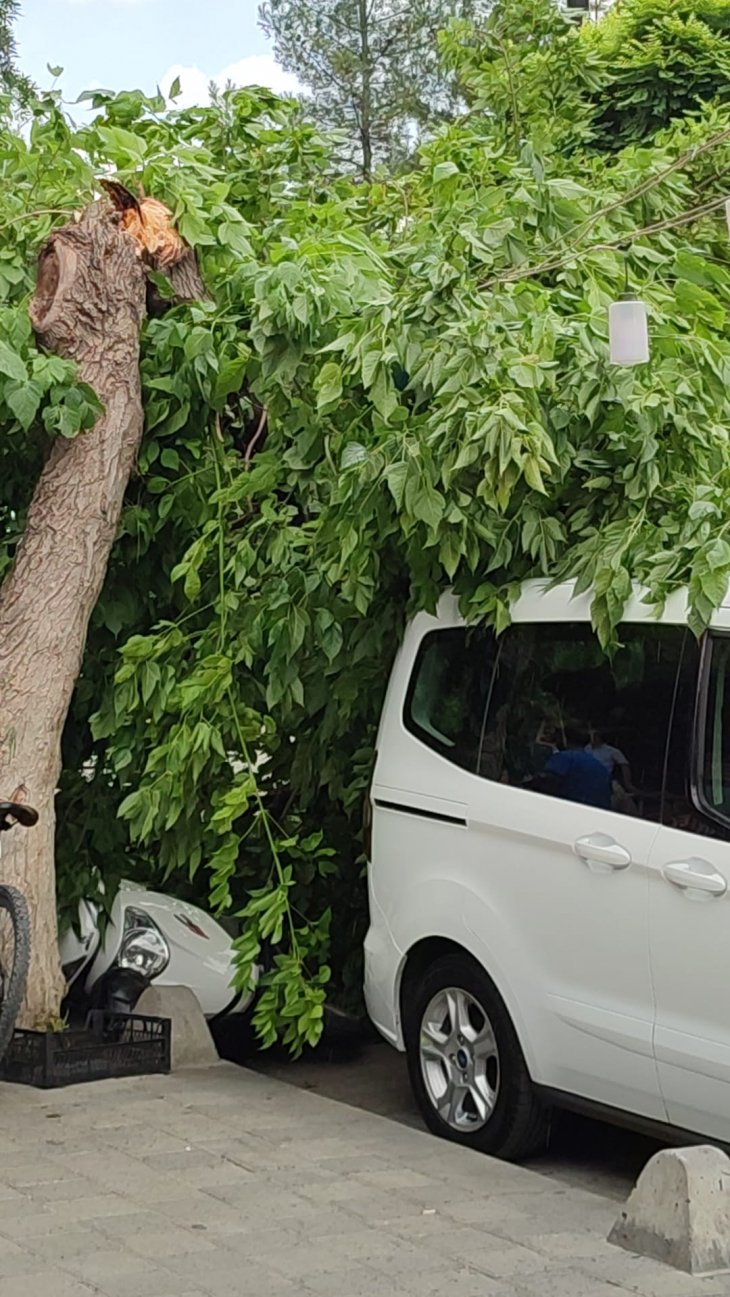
column 12, row 80
column 370, row 68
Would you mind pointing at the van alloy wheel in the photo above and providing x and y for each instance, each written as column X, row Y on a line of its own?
column 459, row 1059
column 496, row 1109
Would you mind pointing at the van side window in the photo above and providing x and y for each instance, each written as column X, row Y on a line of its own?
column 566, row 720
column 448, row 692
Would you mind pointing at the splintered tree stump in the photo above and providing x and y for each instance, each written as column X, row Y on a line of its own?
column 88, row 307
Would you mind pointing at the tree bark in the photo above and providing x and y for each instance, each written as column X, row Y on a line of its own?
column 185, row 281
column 88, row 307
column 366, row 105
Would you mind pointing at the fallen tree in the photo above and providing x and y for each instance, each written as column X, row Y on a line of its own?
column 87, row 309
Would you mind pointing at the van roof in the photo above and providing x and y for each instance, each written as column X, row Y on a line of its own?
column 539, row 601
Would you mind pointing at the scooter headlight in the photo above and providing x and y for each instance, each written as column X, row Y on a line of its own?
column 144, row 948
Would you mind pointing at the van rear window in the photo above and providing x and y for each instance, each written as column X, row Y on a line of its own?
column 448, row 693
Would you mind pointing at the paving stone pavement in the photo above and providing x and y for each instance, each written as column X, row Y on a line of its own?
column 224, row 1183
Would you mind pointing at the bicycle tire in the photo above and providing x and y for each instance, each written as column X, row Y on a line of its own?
column 15, row 905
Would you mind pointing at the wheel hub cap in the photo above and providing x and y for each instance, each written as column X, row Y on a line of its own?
column 459, row 1059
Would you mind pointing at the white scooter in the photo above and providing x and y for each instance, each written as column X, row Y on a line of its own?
column 149, row 938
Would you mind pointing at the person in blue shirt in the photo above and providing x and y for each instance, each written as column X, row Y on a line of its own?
column 575, row 774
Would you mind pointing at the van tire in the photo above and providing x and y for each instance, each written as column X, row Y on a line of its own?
column 519, row 1124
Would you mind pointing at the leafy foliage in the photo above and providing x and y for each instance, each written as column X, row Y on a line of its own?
column 396, row 388
column 661, row 60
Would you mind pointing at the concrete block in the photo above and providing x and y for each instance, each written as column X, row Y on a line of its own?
column 192, row 1043
column 679, row 1211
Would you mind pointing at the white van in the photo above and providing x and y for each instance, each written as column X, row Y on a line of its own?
column 550, row 857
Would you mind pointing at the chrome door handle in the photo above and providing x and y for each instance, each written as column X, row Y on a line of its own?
column 695, row 875
column 601, row 850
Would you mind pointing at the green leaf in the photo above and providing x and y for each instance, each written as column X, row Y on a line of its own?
column 233, row 235
column 330, row 636
column 533, row 475
column 384, row 394
column 175, row 89
column 123, row 142
column 354, row 453
column 176, row 421
column 714, row 586
column 443, row 170
column 495, row 234
column 231, row 376
column 11, row 363
column 24, row 401
column 343, row 343
column 193, row 228
column 328, row 385
column 298, row 623
column 425, row 502
column 170, row 458
column 192, row 584
column 718, row 555
column 395, row 476
column 450, row 553
column 523, row 375
column 95, row 96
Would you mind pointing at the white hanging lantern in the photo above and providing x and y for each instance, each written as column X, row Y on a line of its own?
column 628, row 331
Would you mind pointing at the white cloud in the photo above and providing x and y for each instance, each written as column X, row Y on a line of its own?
column 257, row 70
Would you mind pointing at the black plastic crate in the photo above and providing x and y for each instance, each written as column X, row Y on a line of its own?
column 110, row 1045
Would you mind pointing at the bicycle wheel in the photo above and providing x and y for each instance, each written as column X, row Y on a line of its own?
column 14, row 959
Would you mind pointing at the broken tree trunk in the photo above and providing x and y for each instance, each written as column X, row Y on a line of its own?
column 88, row 307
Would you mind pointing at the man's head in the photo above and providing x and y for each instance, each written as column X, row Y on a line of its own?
column 575, row 737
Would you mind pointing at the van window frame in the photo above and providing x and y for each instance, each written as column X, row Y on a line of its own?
column 694, row 762
column 699, row 731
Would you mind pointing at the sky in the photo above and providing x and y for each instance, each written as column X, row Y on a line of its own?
column 140, row 44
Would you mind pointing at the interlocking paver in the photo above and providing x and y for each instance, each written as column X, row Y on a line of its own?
column 353, row 1281
column 15, row 1260
column 225, row 1183
column 566, row 1283
column 152, row 1281
column 43, row 1284
column 198, row 1208
column 501, row 1260
column 64, row 1244
column 463, row 1283
column 248, row 1281
column 103, row 1265
column 641, row 1276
